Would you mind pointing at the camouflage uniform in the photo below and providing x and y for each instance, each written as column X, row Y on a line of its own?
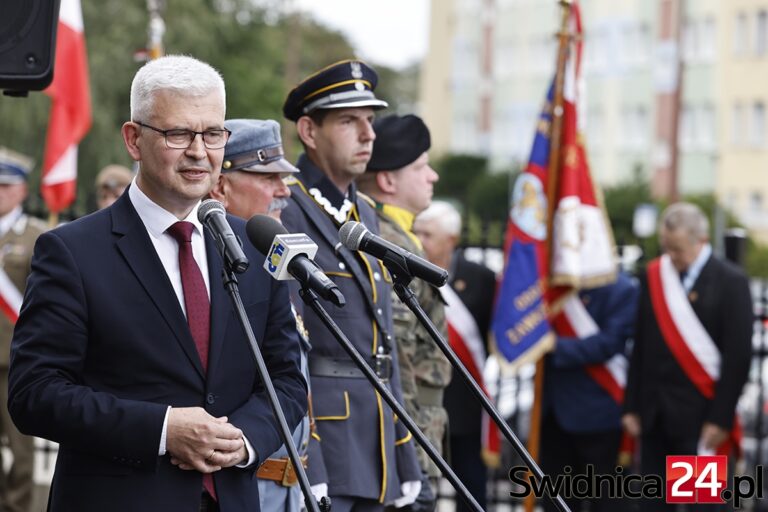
column 16, row 488
column 424, row 371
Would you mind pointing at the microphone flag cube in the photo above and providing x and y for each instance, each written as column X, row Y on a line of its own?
column 284, row 248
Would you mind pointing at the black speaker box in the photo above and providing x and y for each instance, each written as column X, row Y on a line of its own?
column 27, row 43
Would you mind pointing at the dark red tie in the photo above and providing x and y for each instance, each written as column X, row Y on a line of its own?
column 197, row 304
column 195, row 294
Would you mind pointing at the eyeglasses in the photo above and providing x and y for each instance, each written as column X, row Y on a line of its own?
column 182, row 139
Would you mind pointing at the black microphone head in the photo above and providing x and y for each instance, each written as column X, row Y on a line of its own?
column 262, row 230
column 207, row 207
column 351, row 233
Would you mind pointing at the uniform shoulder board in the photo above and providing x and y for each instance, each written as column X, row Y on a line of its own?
column 367, row 199
column 290, row 180
column 38, row 224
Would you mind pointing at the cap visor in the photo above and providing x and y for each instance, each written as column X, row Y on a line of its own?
column 281, row 165
column 8, row 179
column 376, row 104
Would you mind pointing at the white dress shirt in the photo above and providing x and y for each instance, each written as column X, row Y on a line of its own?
column 157, row 220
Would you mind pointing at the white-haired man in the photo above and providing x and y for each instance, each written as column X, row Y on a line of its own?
column 693, row 346
column 127, row 351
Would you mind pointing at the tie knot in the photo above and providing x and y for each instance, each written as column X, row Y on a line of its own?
column 181, row 231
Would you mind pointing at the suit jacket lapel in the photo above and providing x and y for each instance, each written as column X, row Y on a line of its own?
column 141, row 257
column 219, row 302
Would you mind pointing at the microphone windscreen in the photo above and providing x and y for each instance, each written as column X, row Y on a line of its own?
column 262, row 230
column 351, row 234
column 207, row 207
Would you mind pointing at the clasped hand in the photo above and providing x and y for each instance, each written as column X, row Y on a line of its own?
column 198, row 441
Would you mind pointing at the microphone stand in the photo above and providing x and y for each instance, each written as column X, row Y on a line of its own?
column 401, row 280
column 311, row 299
column 230, row 283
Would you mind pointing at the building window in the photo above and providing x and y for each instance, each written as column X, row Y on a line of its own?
column 595, row 127
column 707, row 127
column 761, row 33
column 757, row 131
column 738, row 125
column 708, row 39
column 740, row 35
column 756, row 201
column 690, row 40
column 685, row 128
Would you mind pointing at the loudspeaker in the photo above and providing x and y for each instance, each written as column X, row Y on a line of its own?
column 27, row 43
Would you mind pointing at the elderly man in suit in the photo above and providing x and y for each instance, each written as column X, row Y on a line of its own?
column 368, row 457
column 693, row 347
column 471, row 288
column 127, row 351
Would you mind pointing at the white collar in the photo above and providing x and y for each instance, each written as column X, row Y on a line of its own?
column 156, row 218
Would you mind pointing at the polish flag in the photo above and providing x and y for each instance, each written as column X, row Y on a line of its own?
column 70, row 109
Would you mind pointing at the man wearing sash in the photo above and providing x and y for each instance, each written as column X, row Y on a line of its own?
column 368, row 458
column 18, row 233
column 584, row 385
column 692, row 349
column 399, row 183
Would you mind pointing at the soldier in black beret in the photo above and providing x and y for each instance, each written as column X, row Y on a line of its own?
column 399, row 182
column 368, row 458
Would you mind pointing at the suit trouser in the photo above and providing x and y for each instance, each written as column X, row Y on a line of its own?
column 655, row 445
column 560, row 448
column 15, row 487
column 468, row 465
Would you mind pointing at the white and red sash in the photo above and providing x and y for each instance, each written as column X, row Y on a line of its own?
column 10, row 298
column 465, row 339
column 576, row 322
column 685, row 336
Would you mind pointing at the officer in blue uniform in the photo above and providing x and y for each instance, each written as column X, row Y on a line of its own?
column 368, row 457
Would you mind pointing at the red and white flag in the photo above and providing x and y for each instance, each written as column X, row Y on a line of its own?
column 469, row 344
column 70, row 109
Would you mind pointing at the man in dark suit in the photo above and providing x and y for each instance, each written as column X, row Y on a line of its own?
column 368, row 458
column 127, row 351
column 439, row 228
column 693, row 345
column 584, row 384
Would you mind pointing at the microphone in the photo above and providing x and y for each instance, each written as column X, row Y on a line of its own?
column 291, row 255
column 212, row 214
column 356, row 237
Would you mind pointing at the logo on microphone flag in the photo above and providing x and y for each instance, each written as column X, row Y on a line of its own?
column 533, row 287
column 70, row 117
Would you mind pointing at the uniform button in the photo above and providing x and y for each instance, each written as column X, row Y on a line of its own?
column 379, row 311
column 210, row 399
column 342, row 266
column 376, row 276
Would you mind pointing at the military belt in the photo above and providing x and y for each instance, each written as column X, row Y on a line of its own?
column 280, row 471
column 344, row 368
column 429, row 396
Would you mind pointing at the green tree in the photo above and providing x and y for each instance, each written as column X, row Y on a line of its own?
column 245, row 40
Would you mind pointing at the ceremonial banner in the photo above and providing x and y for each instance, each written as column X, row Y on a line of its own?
column 581, row 242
